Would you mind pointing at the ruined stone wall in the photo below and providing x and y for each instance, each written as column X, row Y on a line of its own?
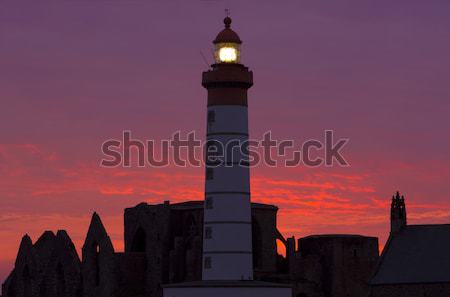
column 341, row 264
column 264, row 233
column 49, row 268
column 186, row 242
column 163, row 244
column 147, row 230
column 27, row 270
column 62, row 274
column 171, row 236
column 131, row 271
column 98, row 262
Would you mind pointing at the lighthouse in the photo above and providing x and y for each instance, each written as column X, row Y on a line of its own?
column 227, row 227
column 227, row 240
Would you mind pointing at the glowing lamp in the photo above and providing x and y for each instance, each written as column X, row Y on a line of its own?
column 227, row 53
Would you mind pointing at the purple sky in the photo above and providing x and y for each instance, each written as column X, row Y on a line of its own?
column 75, row 73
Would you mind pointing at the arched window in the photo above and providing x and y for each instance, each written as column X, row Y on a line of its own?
column 96, row 263
column 191, row 225
column 139, row 245
column 139, row 241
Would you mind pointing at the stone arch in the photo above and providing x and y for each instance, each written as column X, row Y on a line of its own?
column 282, row 249
column 281, row 239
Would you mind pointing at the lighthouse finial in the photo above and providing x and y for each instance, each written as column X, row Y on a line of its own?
column 227, row 19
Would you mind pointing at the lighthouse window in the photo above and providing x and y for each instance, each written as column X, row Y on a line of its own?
column 208, row 233
column 211, row 116
column 209, row 173
column 209, row 203
column 208, row 262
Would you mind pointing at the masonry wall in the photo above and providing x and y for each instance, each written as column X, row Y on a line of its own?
column 340, row 265
column 264, row 233
column 163, row 245
column 131, row 270
column 411, row 290
column 170, row 238
column 48, row 268
column 147, row 231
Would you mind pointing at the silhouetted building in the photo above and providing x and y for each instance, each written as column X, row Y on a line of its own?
column 332, row 265
column 163, row 245
column 398, row 213
column 50, row 267
column 164, row 242
column 416, row 259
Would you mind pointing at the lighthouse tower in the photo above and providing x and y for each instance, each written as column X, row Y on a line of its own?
column 227, row 240
column 227, row 233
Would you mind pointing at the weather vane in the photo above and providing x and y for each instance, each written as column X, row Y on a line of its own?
column 227, row 12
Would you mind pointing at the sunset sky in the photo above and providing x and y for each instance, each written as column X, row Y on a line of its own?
column 76, row 73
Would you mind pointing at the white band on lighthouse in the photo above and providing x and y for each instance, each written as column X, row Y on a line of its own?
column 227, row 245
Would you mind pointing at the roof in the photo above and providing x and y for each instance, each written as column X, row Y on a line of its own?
column 337, row 236
column 227, row 35
column 197, row 204
column 417, row 254
column 194, row 204
column 188, row 204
